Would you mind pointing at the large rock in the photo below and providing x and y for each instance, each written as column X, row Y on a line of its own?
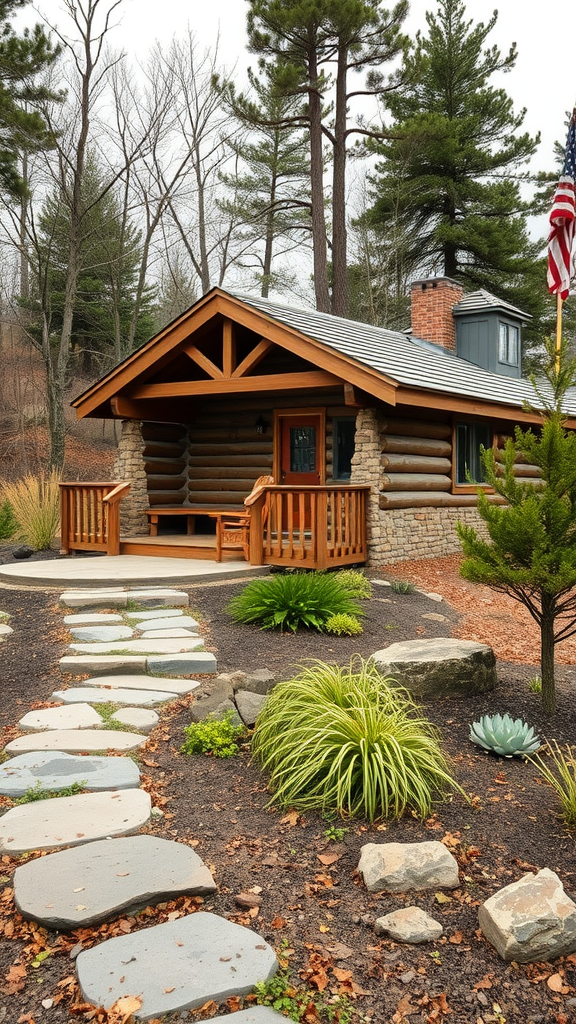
column 410, row 924
column 176, row 966
column 72, row 820
column 398, row 867
column 261, row 680
column 530, row 920
column 249, row 705
column 56, row 770
column 87, row 884
column 431, row 668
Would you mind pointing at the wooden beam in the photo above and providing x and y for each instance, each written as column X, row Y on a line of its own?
column 268, row 382
column 228, row 347
column 253, row 358
column 469, row 406
column 162, row 412
column 201, row 360
column 351, row 396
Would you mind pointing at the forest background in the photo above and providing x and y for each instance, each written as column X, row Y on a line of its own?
column 347, row 149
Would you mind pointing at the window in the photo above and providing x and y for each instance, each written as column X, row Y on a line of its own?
column 469, row 438
column 508, row 338
column 344, row 429
column 302, row 449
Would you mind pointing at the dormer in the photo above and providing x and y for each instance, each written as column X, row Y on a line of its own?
column 489, row 332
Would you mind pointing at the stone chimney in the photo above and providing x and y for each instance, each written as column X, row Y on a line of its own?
column 432, row 304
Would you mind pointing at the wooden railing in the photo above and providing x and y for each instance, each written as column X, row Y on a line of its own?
column 309, row 527
column 90, row 516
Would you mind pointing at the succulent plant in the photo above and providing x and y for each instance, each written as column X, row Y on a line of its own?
column 504, row 736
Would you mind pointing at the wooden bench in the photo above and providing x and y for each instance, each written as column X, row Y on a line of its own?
column 190, row 511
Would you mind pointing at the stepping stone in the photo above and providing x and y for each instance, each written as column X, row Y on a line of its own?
column 56, row 770
column 159, row 598
column 433, row 668
column 79, row 664
column 176, row 966
column 530, row 920
column 87, row 884
column 255, row 1015
column 140, row 646
column 94, row 598
column 143, row 683
column 76, row 741
column 82, row 716
column 112, row 695
column 136, row 718
column 182, row 622
column 92, row 618
column 72, row 820
column 103, row 633
column 398, row 867
column 197, row 663
column 167, row 634
column 156, row 613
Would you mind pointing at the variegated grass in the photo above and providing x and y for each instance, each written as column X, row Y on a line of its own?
column 347, row 740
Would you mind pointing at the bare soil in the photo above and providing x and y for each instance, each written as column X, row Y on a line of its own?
column 314, row 907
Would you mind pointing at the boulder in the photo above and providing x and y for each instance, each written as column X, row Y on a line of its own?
column 249, row 705
column 443, row 665
column 398, row 867
column 23, row 551
column 530, row 920
column 410, row 924
column 260, row 681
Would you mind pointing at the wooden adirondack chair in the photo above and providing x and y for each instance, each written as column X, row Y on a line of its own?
column 233, row 528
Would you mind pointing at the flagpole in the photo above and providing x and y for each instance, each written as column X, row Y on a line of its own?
column 559, row 305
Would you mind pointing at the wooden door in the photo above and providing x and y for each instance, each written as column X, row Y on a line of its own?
column 301, row 450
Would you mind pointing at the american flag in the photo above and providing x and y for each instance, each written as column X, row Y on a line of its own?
column 562, row 221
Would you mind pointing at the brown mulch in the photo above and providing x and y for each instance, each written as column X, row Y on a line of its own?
column 313, row 906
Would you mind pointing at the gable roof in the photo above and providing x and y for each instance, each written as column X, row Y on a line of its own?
column 387, row 364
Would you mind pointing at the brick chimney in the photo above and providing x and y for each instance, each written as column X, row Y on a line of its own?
column 432, row 304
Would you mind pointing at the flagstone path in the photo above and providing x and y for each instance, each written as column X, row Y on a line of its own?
column 99, row 869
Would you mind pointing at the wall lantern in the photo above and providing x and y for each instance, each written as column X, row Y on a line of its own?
column 261, row 425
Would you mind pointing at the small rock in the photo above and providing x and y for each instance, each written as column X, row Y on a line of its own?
column 22, row 551
column 260, row 681
column 47, row 1003
column 434, row 616
column 76, row 950
column 482, row 998
column 381, row 583
column 407, row 977
column 434, row 597
column 156, row 812
column 398, row 867
column 368, row 920
column 410, row 924
column 530, row 920
column 247, row 899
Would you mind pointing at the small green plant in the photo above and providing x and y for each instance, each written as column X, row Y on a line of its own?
column 500, row 734
column 216, row 736
column 37, row 793
column 296, row 1003
column 294, row 601
column 535, row 684
column 334, row 834
column 35, row 502
column 8, row 524
column 403, row 587
column 343, row 624
column 346, row 740
column 106, row 712
column 356, row 583
column 563, row 779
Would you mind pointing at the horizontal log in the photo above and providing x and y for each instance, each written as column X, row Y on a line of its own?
column 404, row 445
column 232, row 459
column 222, row 473
column 164, row 482
column 535, row 481
column 243, row 486
column 228, row 434
column 415, row 464
column 164, row 465
column 163, row 449
column 416, row 482
column 163, row 431
column 216, row 498
column 246, row 448
column 521, row 469
column 418, row 428
column 166, row 497
column 421, row 499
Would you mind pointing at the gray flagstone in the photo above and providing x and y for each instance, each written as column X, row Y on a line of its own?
column 112, row 695
column 54, row 770
column 76, row 740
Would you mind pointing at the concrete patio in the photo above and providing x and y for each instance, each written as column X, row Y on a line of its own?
column 86, row 571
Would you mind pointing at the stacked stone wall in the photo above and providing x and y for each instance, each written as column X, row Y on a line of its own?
column 410, row 533
column 129, row 465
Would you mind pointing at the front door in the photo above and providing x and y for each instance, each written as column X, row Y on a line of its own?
column 301, row 450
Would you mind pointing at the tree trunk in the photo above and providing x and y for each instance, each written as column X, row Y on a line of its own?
column 270, row 223
column 547, row 655
column 317, row 187
column 339, row 270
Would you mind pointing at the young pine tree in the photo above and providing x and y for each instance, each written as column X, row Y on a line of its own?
column 531, row 554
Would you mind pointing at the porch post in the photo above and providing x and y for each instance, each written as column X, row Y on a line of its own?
column 129, row 467
column 366, row 469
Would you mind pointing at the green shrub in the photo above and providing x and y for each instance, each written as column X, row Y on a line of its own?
column 8, row 524
column 342, row 623
column 344, row 739
column 403, row 587
column 293, row 601
column 563, row 779
column 35, row 502
column 356, row 583
column 216, row 736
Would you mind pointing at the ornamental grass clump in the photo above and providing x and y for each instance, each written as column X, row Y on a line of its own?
column 35, row 503
column 562, row 777
column 346, row 740
column 292, row 602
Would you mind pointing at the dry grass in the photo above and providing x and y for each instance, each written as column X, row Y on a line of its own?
column 35, row 502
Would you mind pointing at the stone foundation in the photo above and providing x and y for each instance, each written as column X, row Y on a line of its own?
column 366, row 470
column 129, row 465
column 411, row 533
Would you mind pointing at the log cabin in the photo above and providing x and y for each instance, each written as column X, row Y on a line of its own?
column 364, row 441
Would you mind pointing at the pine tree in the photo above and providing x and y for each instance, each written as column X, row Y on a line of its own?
column 23, row 129
column 457, row 157
column 531, row 555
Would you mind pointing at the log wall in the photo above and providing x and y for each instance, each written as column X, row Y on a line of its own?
column 165, row 461
column 416, row 465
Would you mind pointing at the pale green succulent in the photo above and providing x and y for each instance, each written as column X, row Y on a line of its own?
column 502, row 735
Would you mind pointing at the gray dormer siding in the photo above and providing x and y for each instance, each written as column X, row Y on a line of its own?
column 489, row 333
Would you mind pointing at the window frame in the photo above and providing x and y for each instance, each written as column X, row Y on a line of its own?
column 510, row 330
column 468, row 488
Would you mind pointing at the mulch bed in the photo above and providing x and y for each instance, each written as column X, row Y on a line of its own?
column 314, row 907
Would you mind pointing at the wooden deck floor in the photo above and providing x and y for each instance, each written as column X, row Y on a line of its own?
column 176, row 545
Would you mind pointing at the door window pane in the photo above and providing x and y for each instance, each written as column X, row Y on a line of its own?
column 302, row 449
